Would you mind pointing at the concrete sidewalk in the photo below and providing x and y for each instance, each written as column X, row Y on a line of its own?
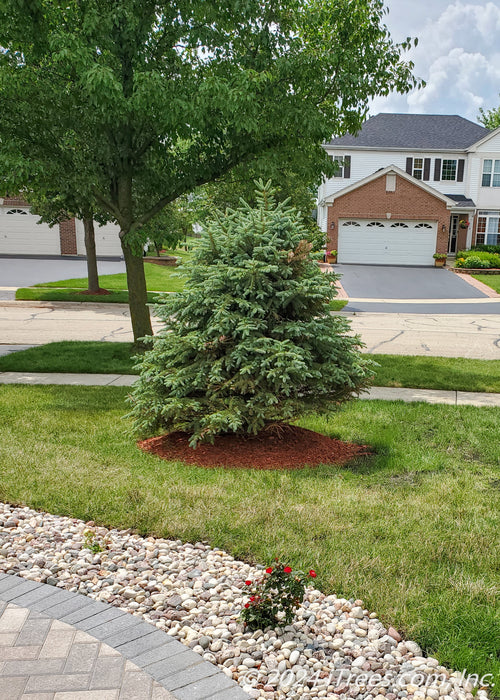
column 57, row 645
column 453, row 398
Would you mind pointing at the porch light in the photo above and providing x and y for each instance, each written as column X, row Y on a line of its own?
column 332, row 225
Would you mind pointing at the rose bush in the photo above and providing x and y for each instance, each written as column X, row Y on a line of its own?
column 275, row 597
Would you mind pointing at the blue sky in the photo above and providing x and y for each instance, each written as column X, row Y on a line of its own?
column 458, row 55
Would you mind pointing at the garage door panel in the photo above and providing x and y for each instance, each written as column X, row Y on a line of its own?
column 383, row 243
column 20, row 234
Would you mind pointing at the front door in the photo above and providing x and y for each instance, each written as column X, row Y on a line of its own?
column 452, row 241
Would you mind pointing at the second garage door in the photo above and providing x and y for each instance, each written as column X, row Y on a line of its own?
column 386, row 242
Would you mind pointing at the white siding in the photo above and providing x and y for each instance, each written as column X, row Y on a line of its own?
column 107, row 241
column 21, row 235
column 492, row 145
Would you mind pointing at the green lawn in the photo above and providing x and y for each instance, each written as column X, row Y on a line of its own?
column 492, row 281
column 158, row 279
column 395, row 370
column 49, row 294
column 412, row 530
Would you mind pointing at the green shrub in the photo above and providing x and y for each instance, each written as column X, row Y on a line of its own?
column 487, row 248
column 475, row 262
column 250, row 341
column 275, row 597
column 463, row 256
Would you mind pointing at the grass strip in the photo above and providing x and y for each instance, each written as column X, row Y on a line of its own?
column 492, row 281
column 75, row 295
column 410, row 530
column 458, row 374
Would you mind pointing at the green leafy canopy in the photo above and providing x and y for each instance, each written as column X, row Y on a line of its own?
column 251, row 340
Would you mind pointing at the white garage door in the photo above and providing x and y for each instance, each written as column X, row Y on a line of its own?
column 21, row 235
column 387, row 242
column 107, row 240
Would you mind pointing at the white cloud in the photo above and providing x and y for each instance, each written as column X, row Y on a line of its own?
column 457, row 55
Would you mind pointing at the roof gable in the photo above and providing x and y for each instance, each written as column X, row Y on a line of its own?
column 415, row 131
column 385, row 171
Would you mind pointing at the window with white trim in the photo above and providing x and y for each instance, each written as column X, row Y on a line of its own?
column 399, row 224
column 17, row 211
column 488, row 228
column 379, row 224
column 423, row 226
column 418, row 168
column 449, row 169
column 343, row 166
column 491, row 173
column 351, row 223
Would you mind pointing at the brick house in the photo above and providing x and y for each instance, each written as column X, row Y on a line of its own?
column 409, row 186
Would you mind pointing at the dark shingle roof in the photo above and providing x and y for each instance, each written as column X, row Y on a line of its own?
column 461, row 200
column 409, row 131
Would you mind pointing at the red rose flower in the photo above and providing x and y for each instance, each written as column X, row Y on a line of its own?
column 269, row 570
column 287, row 569
column 247, row 605
column 252, row 598
column 312, row 573
column 248, row 583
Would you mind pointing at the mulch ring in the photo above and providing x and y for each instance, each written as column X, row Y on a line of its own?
column 279, row 447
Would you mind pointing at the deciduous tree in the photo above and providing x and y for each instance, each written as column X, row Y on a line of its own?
column 147, row 100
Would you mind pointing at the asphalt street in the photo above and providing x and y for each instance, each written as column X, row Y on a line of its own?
column 473, row 335
column 24, row 272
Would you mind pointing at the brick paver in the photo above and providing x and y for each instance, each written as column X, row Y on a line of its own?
column 57, row 645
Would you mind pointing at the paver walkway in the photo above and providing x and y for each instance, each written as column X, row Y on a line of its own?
column 57, row 645
column 456, row 398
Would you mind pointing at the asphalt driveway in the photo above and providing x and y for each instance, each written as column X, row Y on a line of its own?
column 380, row 288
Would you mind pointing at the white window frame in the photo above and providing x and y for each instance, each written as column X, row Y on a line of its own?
column 418, row 171
column 340, row 161
column 488, row 216
column 490, row 176
column 449, row 179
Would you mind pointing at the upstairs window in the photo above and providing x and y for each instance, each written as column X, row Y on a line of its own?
column 449, row 170
column 418, row 168
column 343, row 166
column 491, row 173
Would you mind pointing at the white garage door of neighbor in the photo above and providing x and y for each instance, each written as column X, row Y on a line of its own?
column 387, row 242
column 21, row 235
column 107, row 240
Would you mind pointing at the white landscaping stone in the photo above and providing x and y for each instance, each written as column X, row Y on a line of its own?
column 195, row 594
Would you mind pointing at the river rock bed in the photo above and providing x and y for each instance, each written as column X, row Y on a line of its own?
column 334, row 649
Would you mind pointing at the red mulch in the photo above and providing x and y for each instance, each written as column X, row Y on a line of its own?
column 100, row 292
column 280, row 447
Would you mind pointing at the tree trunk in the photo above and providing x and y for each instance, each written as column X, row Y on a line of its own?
column 92, row 274
column 137, row 293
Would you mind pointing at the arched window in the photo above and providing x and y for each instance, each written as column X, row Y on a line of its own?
column 423, row 226
column 378, row 224
column 17, row 211
column 399, row 224
column 350, row 223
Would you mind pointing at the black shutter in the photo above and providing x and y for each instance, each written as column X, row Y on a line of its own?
column 460, row 172
column 427, row 169
column 409, row 166
column 437, row 169
column 347, row 166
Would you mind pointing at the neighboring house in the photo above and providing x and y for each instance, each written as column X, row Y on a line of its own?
column 20, row 234
column 409, row 186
